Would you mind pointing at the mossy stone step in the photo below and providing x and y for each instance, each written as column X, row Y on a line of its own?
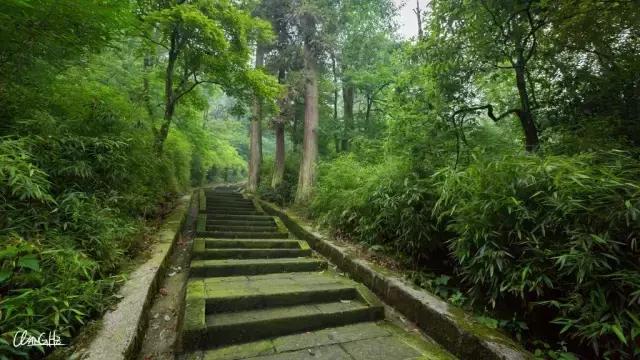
column 213, row 268
column 249, row 298
column 251, row 244
column 243, row 235
column 222, row 216
column 249, row 228
column 223, row 209
column 255, row 222
column 230, row 204
column 242, row 326
column 233, row 212
column 227, row 199
column 251, row 253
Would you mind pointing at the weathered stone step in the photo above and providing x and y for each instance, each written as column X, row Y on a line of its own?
column 234, row 212
column 250, row 298
column 213, row 268
column 251, row 244
column 228, row 199
column 251, row 253
column 361, row 341
column 222, row 209
column 243, row 235
column 254, row 222
column 229, row 202
column 219, row 216
column 236, row 327
column 249, row 228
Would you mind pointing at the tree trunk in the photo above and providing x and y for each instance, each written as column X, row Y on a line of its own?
column 310, row 140
column 255, row 150
column 347, row 98
column 367, row 116
column 335, row 100
column 278, row 172
column 169, row 96
column 418, row 13
column 278, row 168
column 526, row 117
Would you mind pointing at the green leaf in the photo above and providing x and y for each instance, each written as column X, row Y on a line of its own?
column 29, row 262
column 618, row 331
column 5, row 275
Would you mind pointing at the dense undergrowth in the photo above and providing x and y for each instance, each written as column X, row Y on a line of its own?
column 82, row 187
column 550, row 240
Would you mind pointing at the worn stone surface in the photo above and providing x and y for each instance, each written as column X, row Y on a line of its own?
column 283, row 307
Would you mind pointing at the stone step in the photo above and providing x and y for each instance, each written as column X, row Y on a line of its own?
column 255, row 222
column 222, row 207
column 250, row 298
column 361, row 341
column 225, row 197
column 261, row 228
column 220, row 216
column 243, row 326
column 214, row 268
column 234, row 212
column 251, row 244
column 243, row 235
column 238, row 253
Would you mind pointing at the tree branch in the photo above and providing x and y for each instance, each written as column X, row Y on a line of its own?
column 489, row 109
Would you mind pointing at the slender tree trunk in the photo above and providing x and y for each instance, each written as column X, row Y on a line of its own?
column 526, row 117
column 310, row 141
column 278, row 169
column 347, row 98
column 169, row 96
column 418, row 13
column 335, row 100
column 278, row 173
column 367, row 116
column 255, row 150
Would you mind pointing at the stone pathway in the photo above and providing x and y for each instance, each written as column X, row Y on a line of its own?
column 256, row 293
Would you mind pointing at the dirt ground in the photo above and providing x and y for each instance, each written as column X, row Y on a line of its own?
column 161, row 335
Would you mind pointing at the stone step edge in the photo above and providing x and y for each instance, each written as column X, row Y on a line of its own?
column 216, row 268
column 251, row 253
column 194, row 328
column 455, row 330
column 200, row 244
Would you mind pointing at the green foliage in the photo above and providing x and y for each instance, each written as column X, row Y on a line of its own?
column 557, row 231
column 285, row 192
column 80, row 182
column 380, row 204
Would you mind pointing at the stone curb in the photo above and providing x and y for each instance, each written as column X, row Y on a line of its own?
column 450, row 326
column 122, row 329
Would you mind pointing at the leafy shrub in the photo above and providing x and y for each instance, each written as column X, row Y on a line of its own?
column 382, row 204
column 558, row 231
column 285, row 192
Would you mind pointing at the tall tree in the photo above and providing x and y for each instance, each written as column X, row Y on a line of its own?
column 206, row 42
column 255, row 133
column 310, row 141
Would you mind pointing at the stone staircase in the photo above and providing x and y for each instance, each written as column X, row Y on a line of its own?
column 251, row 284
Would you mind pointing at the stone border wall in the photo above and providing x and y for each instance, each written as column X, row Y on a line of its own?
column 451, row 327
column 122, row 329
